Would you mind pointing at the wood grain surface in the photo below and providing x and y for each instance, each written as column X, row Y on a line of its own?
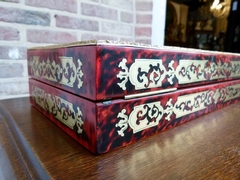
column 32, row 147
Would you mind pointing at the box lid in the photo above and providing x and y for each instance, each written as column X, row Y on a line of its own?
column 101, row 70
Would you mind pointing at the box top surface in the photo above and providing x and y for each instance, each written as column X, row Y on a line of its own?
column 130, row 44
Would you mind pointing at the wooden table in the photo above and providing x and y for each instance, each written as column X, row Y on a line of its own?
column 33, row 147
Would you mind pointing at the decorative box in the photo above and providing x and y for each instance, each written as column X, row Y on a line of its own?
column 109, row 94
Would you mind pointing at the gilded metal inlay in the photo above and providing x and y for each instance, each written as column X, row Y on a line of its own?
column 66, row 72
column 60, row 108
column 149, row 115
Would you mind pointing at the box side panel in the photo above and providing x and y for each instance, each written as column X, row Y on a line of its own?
column 131, row 70
column 70, row 68
column 123, row 122
column 74, row 115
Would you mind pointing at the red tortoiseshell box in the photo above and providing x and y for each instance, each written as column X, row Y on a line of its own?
column 109, row 94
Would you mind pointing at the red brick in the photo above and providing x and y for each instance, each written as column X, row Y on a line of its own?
column 7, row 33
column 97, row 37
column 13, row 88
column 143, row 41
column 45, row 36
column 123, row 4
column 144, row 6
column 14, row 1
column 63, row 5
column 24, row 16
column 76, row 23
column 144, row 19
column 116, row 28
column 99, row 11
column 11, row 70
column 8, row 52
column 127, row 39
column 143, row 31
column 126, row 17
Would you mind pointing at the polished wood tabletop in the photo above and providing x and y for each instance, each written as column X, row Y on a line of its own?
column 32, row 147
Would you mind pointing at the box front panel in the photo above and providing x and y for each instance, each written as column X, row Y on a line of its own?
column 131, row 70
column 71, row 69
column 123, row 122
column 74, row 115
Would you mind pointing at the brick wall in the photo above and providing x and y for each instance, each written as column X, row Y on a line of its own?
column 28, row 23
column 143, row 26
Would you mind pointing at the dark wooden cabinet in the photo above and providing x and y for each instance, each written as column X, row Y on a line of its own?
column 232, row 40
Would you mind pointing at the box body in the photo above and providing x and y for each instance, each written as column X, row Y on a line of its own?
column 101, row 70
column 109, row 94
column 106, row 125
